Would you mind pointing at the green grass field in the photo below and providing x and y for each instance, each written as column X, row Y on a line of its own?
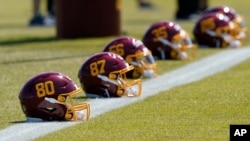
column 202, row 110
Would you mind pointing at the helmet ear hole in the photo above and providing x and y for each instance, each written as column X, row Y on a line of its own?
column 68, row 116
column 61, row 98
column 112, row 76
column 120, row 92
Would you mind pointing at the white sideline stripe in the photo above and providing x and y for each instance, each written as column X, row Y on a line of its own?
column 189, row 73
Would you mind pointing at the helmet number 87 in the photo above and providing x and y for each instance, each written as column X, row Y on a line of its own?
column 45, row 88
column 97, row 67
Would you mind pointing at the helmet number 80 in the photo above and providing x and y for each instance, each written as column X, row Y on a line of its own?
column 45, row 88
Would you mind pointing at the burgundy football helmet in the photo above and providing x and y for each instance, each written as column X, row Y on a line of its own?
column 216, row 30
column 104, row 75
column 135, row 53
column 167, row 40
column 235, row 17
column 48, row 96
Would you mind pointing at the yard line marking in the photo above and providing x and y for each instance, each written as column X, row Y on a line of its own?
column 189, row 73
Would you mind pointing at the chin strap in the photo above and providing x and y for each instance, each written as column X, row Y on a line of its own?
column 105, row 78
column 211, row 33
column 107, row 93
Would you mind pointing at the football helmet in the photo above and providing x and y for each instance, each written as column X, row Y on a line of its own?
column 48, row 96
column 216, row 30
column 235, row 17
column 135, row 53
column 167, row 40
column 103, row 75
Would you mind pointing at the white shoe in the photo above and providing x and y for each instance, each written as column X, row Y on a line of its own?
column 49, row 20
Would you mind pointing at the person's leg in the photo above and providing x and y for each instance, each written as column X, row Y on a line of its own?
column 144, row 4
column 36, row 7
column 51, row 7
column 202, row 5
column 185, row 8
column 50, row 18
column 37, row 18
